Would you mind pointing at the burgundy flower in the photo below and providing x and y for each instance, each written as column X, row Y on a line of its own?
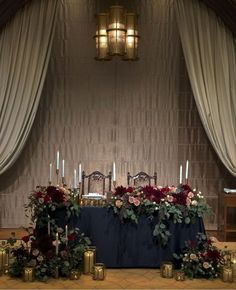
column 120, row 190
column 130, row 189
column 55, row 194
column 71, row 237
column 213, row 255
column 39, row 194
column 25, row 239
column 47, row 199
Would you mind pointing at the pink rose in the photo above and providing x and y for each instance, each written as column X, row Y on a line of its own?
column 131, row 199
column 190, row 194
column 188, row 201
column 136, row 202
column 170, row 198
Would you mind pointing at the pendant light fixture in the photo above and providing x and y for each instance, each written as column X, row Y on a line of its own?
column 116, row 34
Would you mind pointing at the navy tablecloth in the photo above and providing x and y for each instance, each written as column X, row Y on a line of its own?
column 125, row 244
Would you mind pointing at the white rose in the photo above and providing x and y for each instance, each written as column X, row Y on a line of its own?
column 194, row 202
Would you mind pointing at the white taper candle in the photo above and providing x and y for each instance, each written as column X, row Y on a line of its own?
column 114, row 171
column 50, row 172
column 58, row 160
column 63, row 168
column 186, row 174
column 80, row 173
column 180, row 174
column 75, row 179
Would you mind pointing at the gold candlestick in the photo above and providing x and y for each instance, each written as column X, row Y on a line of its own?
column 57, row 174
column 99, row 271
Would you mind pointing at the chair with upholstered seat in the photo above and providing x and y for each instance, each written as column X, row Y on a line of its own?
column 141, row 178
column 96, row 182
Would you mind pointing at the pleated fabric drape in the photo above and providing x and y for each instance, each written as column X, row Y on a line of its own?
column 25, row 48
column 210, row 54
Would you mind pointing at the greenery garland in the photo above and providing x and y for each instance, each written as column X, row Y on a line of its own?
column 179, row 204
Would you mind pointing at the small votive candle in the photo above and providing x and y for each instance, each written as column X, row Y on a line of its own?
column 99, row 271
column 74, row 274
column 179, row 276
column 167, row 270
column 227, row 275
column 28, row 274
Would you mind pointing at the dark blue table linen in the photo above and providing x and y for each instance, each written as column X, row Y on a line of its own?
column 129, row 245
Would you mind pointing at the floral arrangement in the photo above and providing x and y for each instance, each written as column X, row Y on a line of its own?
column 200, row 258
column 180, row 204
column 48, row 246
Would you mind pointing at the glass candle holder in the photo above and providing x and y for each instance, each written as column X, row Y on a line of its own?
column 227, row 275
column 99, row 271
column 180, row 276
column 28, row 274
column 167, row 270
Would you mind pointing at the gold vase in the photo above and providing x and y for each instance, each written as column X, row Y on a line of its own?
column 167, row 270
column 99, row 271
column 74, row 274
column 28, row 274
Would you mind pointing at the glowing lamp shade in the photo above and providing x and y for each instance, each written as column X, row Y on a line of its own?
column 101, row 38
column 132, row 37
column 116, row 34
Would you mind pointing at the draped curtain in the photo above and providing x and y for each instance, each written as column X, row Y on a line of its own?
column 25, row 46
column 210, row 54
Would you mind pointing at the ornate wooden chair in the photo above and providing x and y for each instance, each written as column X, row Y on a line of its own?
column 141, row 178
column 95, row 182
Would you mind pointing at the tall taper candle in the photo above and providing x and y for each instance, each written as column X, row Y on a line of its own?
column 114, row 171
column 75, row 179
column 186, row 173
column 63, row 168
column 66, row 233
column 180, row 174
column 49, row 226
column 50, row 172
column 56, row 243
column 58, row 160
column 80, row 173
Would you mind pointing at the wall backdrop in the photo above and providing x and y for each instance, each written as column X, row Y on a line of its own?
column 142, row 115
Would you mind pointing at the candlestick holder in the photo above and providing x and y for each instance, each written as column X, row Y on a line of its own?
column 114, row 184
column 49, row 182
column 186, row 180
column 57, row 174
column 63, row 181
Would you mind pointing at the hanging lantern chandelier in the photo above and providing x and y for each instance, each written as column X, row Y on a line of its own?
column 116, row 34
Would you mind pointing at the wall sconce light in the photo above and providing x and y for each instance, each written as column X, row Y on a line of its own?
column 116, row 34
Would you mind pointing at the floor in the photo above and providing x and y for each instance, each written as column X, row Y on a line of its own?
column 116, row 278
column 119, row 279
